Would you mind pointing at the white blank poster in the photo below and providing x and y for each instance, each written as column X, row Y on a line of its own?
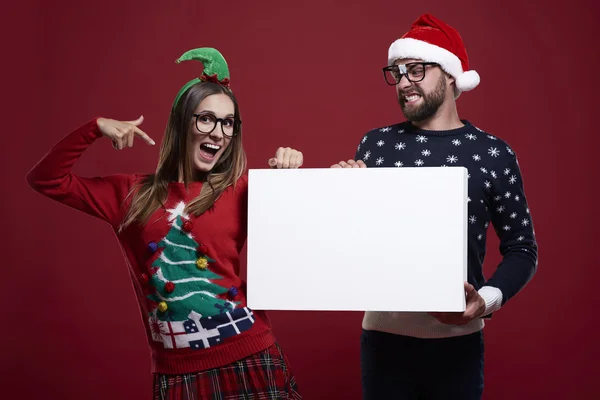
column 369, row 239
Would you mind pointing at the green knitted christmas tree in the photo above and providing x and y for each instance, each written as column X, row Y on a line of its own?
column 182, row 276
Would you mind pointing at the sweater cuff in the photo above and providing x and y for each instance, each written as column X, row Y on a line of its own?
column 492, row 297
column 93, row 128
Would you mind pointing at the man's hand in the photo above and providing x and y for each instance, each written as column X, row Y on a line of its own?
column 475, row 309
column 350, row 164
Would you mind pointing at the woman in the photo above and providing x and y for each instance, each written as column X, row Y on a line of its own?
column 182, row 230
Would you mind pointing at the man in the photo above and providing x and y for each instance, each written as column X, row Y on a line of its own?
column 440, row 355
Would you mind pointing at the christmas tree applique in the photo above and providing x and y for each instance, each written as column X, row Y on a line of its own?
column 181, row 275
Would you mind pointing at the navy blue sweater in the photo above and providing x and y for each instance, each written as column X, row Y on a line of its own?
column 496, row 194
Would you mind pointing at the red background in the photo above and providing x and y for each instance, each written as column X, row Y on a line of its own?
column 307, row 75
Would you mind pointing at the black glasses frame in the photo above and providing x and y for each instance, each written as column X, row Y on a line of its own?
column 397, row 68
column 237, row 124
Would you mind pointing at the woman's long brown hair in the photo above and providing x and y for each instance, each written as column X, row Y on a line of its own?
column 176, row 165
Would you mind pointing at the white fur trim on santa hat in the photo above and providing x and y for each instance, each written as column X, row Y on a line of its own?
column 418, row 49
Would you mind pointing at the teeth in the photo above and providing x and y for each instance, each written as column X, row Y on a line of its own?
column 411, row 97
column 212, row 146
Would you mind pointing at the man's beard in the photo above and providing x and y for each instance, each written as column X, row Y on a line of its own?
column 431, row 102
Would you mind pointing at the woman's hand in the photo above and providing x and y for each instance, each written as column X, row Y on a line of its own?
column 122, row 132
column 286, row 157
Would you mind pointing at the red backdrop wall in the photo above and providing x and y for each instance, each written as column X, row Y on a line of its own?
column 307, row 75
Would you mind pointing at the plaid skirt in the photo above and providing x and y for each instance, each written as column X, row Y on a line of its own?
column 262, row 376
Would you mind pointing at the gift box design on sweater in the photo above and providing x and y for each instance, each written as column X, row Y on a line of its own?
column 201, row 332
column 188, row 308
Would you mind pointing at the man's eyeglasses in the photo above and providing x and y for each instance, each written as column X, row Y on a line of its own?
column 414, row 72
column 206, row 123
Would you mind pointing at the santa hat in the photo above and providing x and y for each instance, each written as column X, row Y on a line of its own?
column 431, row 40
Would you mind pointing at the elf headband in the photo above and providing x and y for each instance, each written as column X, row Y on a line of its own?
column 215, row 68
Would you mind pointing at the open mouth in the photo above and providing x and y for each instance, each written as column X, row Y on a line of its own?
column 209, row 150
column 411, row 98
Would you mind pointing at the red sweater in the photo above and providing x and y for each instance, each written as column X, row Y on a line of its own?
column 185, row 270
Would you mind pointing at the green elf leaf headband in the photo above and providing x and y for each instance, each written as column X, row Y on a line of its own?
column 215, row 68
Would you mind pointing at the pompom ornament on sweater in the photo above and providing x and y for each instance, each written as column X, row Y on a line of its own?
column 203, row 249
column 202, row 263
column 162, row 306
column 187, row 226
column 169, row 287
column 233, row 291
column 431, row 40
column 152, row 247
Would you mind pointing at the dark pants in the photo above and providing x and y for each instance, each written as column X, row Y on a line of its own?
column 400, row 367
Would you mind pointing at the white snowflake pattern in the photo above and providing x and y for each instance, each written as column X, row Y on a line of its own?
column 398, row 164
column 492, row 137
column 521, row 238
column 507, row 195
column 379, row 161
column 421, row 139
column 517, row 198
column 400, row 130
column 419, row 162
column 364, row 139
column 507, row 171
column 527, row 210
column 452, row 159
column 468, row 199
column 426, row 153
column 470, row 136
column 468, row 175
column 456, row 142
column 386, row 129
column 500, row 209
column 487, row 184
column 358, row 148
column 380, row 143
column 510, row 151
column 506, row 228
column 512, row 179
column 481, row 201
column 476, row 157
column 480, row 236
column 486, row 225
column 497, row 198
column 472, row 219
column 493, row 174
column 513, row 215
column 483, row 170
column 400, row 146
column 525, row 222
column 494, row 152
column 367, row 155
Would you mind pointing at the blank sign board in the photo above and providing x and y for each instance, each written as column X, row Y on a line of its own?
column 369, row 239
